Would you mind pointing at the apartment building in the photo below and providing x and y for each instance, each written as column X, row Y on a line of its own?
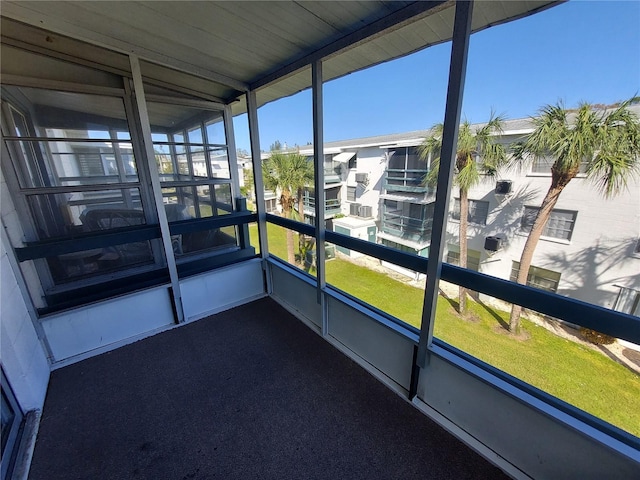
column 96, row 256
column 590, row 249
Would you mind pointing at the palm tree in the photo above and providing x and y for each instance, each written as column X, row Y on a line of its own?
column 477, row 154
column 606, row 143
column 288, row 174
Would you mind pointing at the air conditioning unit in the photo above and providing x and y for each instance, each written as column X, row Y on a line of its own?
column 329, row 252
column 503, row 187
column 354, row 209
column 365, row 211
column 492, row 244
column 310, row 259
column 361, row 177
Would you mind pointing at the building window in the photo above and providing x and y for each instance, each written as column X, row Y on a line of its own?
column 409, row 221
column 543, row 165
column 353, row 162
column 628, row 301
column 332, row 168
column 538, row 277
column 405, row 171
column 398, row 246
column 473, row 257
column 194, row 171
column 351, row 194
column 560, row 224
column 406, row 158
column 478, row 211
column 74, row 172
column 271, row 205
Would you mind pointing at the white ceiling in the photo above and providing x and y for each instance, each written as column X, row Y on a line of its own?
column 229, row 47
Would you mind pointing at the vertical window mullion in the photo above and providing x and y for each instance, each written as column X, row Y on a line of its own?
column 207, row 159
column 457, row 73
column 156, row 188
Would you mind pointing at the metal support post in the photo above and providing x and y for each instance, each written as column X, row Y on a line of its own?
column 457, row 71
column 157, row 189
column 252, row 116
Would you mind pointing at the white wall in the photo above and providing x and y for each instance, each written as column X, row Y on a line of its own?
column 599, row 254
column 372, row 162
column 106, row 325
column 221, row 289
column 22, row 355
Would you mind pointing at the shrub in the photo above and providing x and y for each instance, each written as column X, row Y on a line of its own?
column 596, row 338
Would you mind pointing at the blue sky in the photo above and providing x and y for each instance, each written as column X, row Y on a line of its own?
column 578, row 51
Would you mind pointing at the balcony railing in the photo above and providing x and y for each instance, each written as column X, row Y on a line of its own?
column 332, row 175
column 399, row 180
column 331, row 207
column 409, row 228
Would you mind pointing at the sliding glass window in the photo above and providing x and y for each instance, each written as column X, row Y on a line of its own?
column 191, row 154
column 74, row 172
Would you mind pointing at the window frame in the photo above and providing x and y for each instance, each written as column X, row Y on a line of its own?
column 13, row 434
column 180, row 144
column 534, row 273
column 473, row 207
column 525, row 228
column 453, row 257
column 21, row 189
column 51, row 296
column 634, row 308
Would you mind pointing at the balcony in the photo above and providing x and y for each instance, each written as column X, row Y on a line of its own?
column 143, row 382
column 248, row 392
column 331, row 207
column 332, row 175
column 405, row 227
column 396, row 180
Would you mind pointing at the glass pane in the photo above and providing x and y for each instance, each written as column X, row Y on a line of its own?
column 89, row 123
column 388, row 287
column 384, row 197
column 292, row 247
column 286, row 131
column 204, row 240
column 219, row 163
column 98, row 261
column 75, row 163
column 223, row 200
column 254, row 237
column 197, row 201
column 584, row 248
column 215, row 131
column 195, row 135
column 64, row 214
column 584, row 368
column 54, row 114
column 191, row 159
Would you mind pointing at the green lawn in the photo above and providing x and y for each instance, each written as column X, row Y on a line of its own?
column 570, row 371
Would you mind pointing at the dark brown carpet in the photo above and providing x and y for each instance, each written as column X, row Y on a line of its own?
column 250, row 393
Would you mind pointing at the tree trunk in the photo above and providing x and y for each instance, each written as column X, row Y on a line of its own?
column 302, row 240
column 550, row 200
column 291, row 257
column 462, row 234
column 286, row 201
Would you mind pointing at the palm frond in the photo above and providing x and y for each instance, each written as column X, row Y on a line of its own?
column 477, row 152
column 607, row 142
